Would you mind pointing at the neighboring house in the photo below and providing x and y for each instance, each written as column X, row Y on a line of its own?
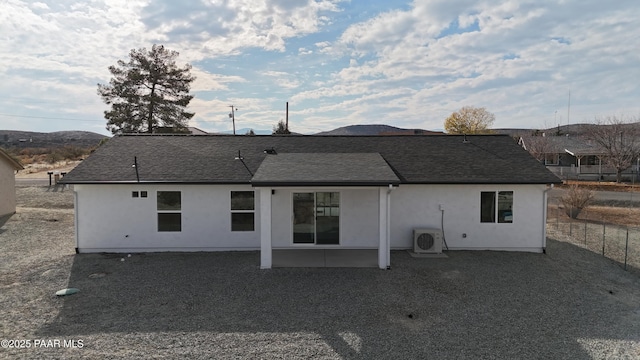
column 8, row 168
column 150, row 193
column 571, row 157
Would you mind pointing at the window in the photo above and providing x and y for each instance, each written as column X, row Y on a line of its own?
column 135, row 194
column 487, row 206
column 498, row 207
column 551, row 159
column 590, row 160
column 169, row 211
column 242, row 211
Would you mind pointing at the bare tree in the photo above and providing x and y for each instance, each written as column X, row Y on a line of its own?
column 538, row 146
column 619, row 138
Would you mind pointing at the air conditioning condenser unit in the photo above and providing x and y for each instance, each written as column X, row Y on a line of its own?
column 427, row 241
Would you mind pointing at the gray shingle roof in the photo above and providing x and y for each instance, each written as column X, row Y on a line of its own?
column 436, row 159
column 324, row 169
column 575, row 145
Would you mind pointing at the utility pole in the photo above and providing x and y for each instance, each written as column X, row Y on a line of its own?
column 232, row 115
column 286, row 124
column 569, row 108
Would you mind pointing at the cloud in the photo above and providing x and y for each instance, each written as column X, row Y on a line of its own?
column 39, row 5
column 227, row 28
column 505, row 56
column 207, row 81
column 337, row 62
column 283, row 79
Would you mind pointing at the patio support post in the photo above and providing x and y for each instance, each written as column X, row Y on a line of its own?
column 75, row 218
column 265, row 229
column 579, row 158
column 388, row 235
column 383, row 251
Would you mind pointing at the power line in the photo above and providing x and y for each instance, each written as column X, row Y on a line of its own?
column 50, row 118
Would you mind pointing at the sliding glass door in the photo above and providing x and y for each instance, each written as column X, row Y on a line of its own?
column 316, row 218
column 304, row 231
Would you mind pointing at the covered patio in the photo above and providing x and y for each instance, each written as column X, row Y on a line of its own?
column 317, row 237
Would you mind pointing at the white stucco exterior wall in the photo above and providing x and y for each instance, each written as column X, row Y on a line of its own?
column 418, row 206
column 111, row 220
column 7, row 188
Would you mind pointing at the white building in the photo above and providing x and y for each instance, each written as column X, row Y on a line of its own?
column 8, row 168
column 149, row 193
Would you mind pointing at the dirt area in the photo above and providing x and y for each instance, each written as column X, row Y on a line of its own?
column 603, row 185
column 625, row 216
column 39, row 170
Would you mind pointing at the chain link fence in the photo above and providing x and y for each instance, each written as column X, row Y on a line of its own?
column 619, row 243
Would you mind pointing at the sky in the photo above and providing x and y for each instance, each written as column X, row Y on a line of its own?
column 410, row 64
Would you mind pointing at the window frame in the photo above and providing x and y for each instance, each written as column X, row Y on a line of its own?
column 237, row 210
column 551, row 159
column 320, row 210
column 164, row 211
column 501, row 210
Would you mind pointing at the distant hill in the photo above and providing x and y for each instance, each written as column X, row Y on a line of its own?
column 376, row 129
column 571, row 130
column 29, row 139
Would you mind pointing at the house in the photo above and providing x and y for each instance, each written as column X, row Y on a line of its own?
column 572, row 157
column 8, row 167
column 148, row 193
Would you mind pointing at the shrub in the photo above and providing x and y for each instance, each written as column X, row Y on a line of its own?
column 70, row 152
column 54, row 157
column 575, row 200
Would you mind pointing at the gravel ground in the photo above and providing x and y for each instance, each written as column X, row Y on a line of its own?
column 567, row 304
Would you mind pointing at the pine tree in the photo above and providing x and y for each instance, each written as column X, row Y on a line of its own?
column 148, row 92
column 280, row 129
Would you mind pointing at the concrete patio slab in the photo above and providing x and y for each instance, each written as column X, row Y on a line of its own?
column 325, row 258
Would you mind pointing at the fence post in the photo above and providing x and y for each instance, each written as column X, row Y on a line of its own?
column 626, row 249
column 604, row 229
column 557, row 216
column 571, row 225
column 585, row 233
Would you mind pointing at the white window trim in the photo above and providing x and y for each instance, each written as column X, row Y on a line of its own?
column 314, row 192
column 158, row 211
column 496, row 206
column 242, row 211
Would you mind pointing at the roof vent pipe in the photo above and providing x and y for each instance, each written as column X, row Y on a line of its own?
column 135, row 166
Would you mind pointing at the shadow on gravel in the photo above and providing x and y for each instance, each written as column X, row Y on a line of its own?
column 470, row 305
column 3, row 220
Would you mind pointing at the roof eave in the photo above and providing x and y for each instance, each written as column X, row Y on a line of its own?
column 153, row 182
column 323, row 183
column 15, row 163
